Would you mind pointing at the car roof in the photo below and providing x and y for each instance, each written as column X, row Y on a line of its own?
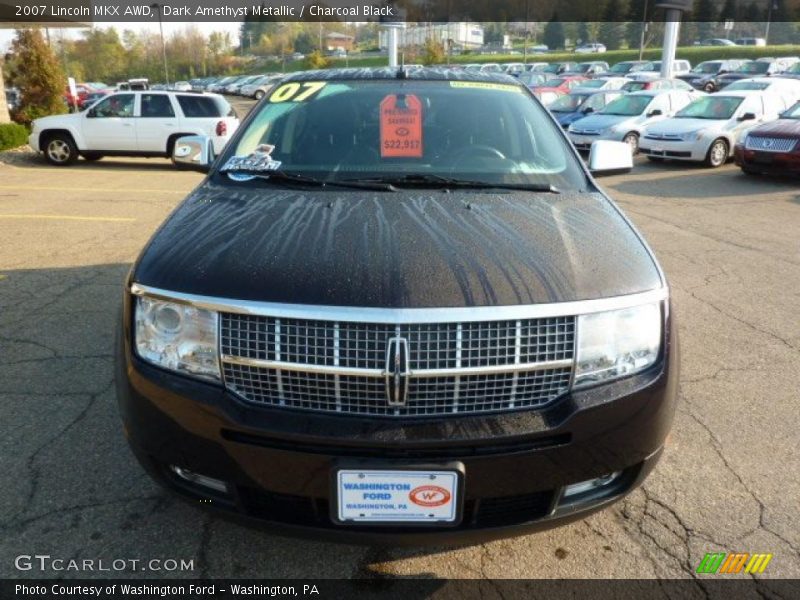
column 738, row 93
column 397, row 73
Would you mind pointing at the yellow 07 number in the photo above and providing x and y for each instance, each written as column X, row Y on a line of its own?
column 296, row 92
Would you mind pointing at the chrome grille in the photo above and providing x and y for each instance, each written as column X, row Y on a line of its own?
column 340, row 366
column 767, row 144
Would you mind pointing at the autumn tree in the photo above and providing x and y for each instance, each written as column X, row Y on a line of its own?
column 434, row 53
column 4, row 116
column 35, row 70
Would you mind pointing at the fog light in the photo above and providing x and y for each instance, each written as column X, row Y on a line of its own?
column 590, row 484
column 201, row 480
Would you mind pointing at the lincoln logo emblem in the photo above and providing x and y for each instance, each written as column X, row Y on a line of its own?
column 397, row 371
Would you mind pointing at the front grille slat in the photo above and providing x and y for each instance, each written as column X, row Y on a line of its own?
column 454, row 368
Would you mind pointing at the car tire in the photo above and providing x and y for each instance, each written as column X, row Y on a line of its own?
column 90, row 156
column 717, row 154
column 632, row 139
column 259, row 94
column 60, row 150
column 709, row 88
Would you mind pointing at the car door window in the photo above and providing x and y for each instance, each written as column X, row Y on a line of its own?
column 156, row 106
column 118, row 105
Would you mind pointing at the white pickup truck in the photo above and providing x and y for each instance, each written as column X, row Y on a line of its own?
column 133, row 123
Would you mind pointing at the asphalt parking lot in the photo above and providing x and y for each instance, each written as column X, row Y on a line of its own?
column 727, row 482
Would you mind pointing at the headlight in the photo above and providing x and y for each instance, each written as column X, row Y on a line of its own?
column 178, row 337
column 617, row 343
column 606, row 131
column 691, row 136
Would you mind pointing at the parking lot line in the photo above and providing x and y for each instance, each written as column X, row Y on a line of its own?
column 37, row 188
column 70, row 218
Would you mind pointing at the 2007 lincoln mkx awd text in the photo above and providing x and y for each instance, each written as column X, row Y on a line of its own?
column 390, row 315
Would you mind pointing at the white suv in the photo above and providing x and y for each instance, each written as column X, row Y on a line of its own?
column 144, row 123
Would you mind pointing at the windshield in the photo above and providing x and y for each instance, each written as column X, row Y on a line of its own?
column 621, row 68
column 795, row 68
column 711, row 107
column 627, row 106
column 593, row 83
column 570, row 103
column 707, row 67
column 634, row 86
column 336, row 131
column 554, row 82
column 792, row 113
column 753, row 67
column 531, row 78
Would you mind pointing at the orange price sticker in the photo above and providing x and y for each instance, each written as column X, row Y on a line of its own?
column 401, row 126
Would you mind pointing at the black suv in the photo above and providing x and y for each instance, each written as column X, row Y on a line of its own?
column 398, row 310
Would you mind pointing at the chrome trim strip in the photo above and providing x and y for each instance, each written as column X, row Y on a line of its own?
column 300, row 367
column 336, row 380
column 377, row 373
column 458, row 314
column 492, row 369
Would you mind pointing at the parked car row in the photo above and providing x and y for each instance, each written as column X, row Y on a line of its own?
column 756, row 121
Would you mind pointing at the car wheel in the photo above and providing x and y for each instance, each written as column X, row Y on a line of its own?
column 60, row 150
column 717, row 154
column 709, row 87
column 632, row 139
column 259, row 94
column 91, row 156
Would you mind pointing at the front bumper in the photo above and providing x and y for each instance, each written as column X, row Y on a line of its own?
column 674, row 150
column 778, row 163
column 33, row 141
column 279, row 464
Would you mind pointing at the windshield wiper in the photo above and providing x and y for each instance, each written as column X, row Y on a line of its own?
column 288, row 177
column 439, row 181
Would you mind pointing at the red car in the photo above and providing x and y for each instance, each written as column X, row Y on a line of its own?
column 561, row 84
column 773, row 147
column 82, row 92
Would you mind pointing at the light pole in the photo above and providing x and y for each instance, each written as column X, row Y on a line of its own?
column 773, row 5
column 644, row 31
column 157, row 6
column 674, row 10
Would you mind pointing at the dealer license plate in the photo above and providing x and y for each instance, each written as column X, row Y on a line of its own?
column 371, row 496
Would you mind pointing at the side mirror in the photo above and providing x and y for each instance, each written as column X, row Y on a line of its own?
column 193, row 152
column 747, row 117
column 587, row 110
column 610, row 158
column 655, row 113
column 91, row 113
column 722, row 71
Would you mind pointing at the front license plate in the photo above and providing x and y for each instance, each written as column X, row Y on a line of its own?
column 394, row 496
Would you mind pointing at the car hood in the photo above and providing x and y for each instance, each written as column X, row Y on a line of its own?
column 600, row 121
column 408, row 249
column 789, row 128
column 676, row 126
column 59, row 120
column 567, row 118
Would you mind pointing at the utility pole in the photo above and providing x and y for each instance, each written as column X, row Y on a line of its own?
column 773, row 5
column 157, row 6
column 644, row 31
